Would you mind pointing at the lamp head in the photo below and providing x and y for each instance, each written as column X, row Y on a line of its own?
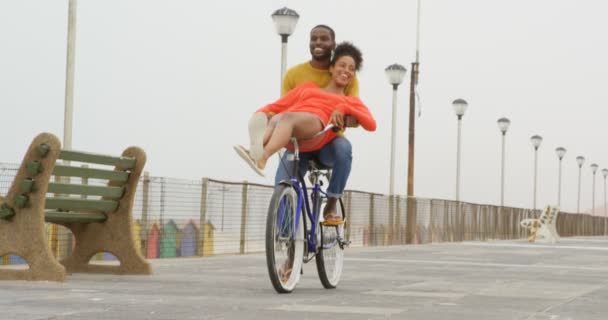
column 460, row 106
column 503, row 124
column 536, row 141
column 594, row 167
column 285, row 21
column 395, row 73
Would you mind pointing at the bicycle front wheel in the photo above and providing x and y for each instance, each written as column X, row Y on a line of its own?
column 284, row 240
column 330, row 256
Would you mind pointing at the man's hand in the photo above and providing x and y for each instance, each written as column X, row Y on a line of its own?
column 337, row 118
column 351, row 121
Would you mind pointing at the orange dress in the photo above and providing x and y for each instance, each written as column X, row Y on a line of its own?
column 307, row 97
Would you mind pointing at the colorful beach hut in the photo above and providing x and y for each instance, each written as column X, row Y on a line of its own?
column 189, row 239
column 168, row 240
column 136, row 231
column 152, row 241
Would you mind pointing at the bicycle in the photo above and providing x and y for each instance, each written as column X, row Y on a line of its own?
column 293, row 238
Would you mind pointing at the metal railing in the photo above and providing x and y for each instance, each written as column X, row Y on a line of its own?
column 177, row 217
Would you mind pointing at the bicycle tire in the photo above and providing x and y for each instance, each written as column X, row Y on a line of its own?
column 330, row 255
column 284, row 242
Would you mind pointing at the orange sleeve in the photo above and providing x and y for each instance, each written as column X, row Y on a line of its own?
column 286, row 101
column 356, row 108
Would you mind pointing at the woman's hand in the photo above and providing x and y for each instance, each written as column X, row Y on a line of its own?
column 350, row 121
column 337, row 118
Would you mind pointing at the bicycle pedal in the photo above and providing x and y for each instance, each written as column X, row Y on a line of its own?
column 345, row 243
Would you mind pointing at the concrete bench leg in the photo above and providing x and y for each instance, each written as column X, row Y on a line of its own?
column 113, row 236
column 24, row 233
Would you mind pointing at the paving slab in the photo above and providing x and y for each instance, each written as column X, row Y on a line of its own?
column 467, row 280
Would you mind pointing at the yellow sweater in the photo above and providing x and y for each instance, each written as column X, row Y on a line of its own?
column 304, row 72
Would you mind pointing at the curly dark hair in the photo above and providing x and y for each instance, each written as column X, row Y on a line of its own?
column 331, row 31
column 348, row 49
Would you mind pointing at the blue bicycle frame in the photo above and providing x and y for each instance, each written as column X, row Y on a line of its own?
column 303, row 204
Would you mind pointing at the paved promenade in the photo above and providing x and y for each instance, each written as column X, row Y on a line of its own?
column 470, row 280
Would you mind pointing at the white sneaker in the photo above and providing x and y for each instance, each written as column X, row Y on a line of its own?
column 257, row 129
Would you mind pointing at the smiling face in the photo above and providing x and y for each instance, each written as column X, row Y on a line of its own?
column 321, row 44
column 343, row 71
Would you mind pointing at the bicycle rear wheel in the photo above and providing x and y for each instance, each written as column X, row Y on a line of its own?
column 284, row 240
column 330, row 256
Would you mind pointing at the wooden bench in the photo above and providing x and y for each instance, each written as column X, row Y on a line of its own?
column 543, row 227
column 99, row 216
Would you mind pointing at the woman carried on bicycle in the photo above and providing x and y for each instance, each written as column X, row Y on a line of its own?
column 306, row 110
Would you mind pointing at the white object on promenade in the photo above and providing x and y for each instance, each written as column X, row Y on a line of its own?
column 544, row 227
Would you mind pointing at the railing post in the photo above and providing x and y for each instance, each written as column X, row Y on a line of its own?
column 397, row 238
column 163, row 231
column 446, row 228
column 349, row 213
column 203, row 216
column 431, row 236
column 144, row 212
column 391, row 219
column 372, row 232
column 243, row 217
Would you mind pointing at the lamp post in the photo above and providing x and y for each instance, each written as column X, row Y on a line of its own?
column 395, row 74
column 69, row 76
column 580, row 160
column 503, row 125
column 460, row 106
column 594, row 167
column 536, row 141
column 561, row 152
column 410, row 230
column 285, row 21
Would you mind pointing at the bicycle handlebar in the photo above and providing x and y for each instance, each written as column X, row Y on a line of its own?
column 330, row 126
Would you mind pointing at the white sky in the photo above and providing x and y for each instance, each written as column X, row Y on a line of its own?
column 180, row 78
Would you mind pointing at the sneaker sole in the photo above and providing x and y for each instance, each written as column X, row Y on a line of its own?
column 242, row 152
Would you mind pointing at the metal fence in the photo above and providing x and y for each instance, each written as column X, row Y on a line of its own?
column 180, row 218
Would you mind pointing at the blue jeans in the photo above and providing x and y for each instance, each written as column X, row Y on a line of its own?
column 337, row 154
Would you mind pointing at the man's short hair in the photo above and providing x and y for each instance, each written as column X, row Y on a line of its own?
column 331, row 31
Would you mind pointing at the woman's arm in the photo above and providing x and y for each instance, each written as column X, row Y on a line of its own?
column 356, row 108
column 287, row 100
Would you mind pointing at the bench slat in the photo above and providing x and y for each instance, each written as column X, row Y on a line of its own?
column 85, row 217
column 69, row 171
column 122, row 162
column 81, row 204
column 67, row 188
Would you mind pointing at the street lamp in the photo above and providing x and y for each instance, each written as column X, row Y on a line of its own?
column 580, row 160
column 594, row 167
column 460, row 106
column 536, row 141
column 503, row 125
column 394, row 73
column 285, row 21
column 560, row 152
